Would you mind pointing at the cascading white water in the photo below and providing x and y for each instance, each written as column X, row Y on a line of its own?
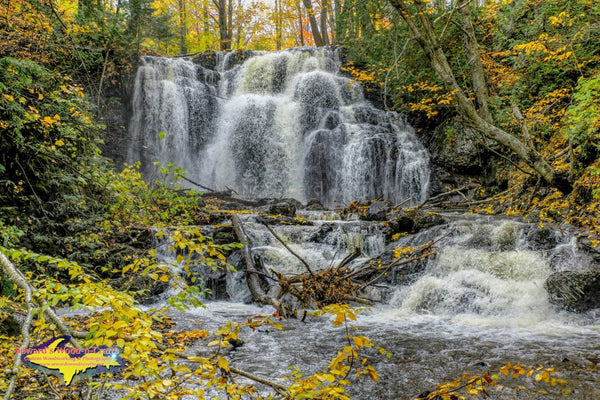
column 282, row 124
column 485, row 270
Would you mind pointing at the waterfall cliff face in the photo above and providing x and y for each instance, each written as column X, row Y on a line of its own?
column 282, row 124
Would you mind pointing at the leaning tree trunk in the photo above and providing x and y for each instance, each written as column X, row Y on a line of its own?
column 474, row 56
column 314, row 27
column 252, row 275
column 424, row 34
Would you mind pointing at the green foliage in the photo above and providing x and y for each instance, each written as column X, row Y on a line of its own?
column 134, row 201
column 47, row 135
column 380, row 45
column 583, row 118
column 9, row 235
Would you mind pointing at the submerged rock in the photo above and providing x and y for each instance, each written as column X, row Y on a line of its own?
column 320, row 235
column 574, row 290
column 315, row 205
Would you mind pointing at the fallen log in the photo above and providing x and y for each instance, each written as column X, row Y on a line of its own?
column 252, row 274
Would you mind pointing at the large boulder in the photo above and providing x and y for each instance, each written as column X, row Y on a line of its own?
column 577, row 291
column 321, row 234
column 457, row 148
column 314, row 205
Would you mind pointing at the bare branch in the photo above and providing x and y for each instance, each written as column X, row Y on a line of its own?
column 289, row 249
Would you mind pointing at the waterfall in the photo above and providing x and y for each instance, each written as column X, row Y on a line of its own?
column 280, row 124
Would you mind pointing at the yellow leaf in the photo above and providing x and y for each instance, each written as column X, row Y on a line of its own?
column 59, row 143
column 538, row 377
column 223, row 363
column 181, row 368
column 119, row 324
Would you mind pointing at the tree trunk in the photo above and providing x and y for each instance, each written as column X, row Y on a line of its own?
column 252, row 276
column 337, row 13
column 224, row 37
column 314, row 27
column 300, row 26
column 229, row 22
column 477, row 72
column 424, row 34
column 135, row 18
column 324, row 30
column 182, row 27
column 206, row 25
column 278, row 17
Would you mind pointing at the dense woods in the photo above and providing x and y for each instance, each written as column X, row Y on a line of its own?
column 77, row 230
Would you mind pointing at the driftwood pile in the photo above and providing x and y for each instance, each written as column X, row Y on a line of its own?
column 316, row 288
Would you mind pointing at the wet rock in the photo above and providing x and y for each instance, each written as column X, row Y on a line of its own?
column 208, row 59
column 281, row 220
column 286, row 208
column 400, row 222
column 238, row 57
column 412, row 221
column 320, row 235
column 588, row 247
column 541, row 239
column 427, row 219
column 315, row 205
column 377, row 211
column 577, row 291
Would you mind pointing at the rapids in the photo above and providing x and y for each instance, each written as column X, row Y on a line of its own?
column 478, row 304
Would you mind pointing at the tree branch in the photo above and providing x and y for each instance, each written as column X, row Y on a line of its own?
column 289, row 249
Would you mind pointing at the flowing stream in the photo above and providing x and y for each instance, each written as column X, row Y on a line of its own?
column 478, row 304
column 289, row 124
